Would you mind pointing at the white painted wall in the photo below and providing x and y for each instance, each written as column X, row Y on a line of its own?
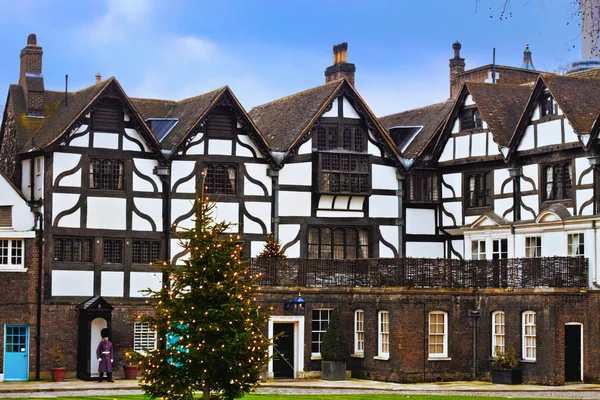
column 531, row 172
column 106, row 213
column 501, row 175
column 112, row 284
column 384, row 177
column 146, row 168
column 296, row 174
column 242, row 151
column 179, row 170
column 390, row 234
column 196, row 146
column 72, row 283
column 181, row 207
column 425, row 249
column 581, row 164
column 455, row 182
column 131, row 145
column 22, row 217
column 456, row 126
column 287, row 233
column 144, row 280
column 219, row 146
column 549, row 133
column 65, row 201
column 150, row 207
column 81, row 141
column 349, row 111
column 260, row 210
column 531, row 202
column 228, row 212
column 106, row 140
column 478, row 144
column 501, row 206
column 420, row 221
column 63, row 162
column 306, row 147
column 383, row 206
column 492, row 146
column 459, row 247
column 455, row 209
column 570, row 135
column 38, row 178
column 462, row 146
column 294, row 204
column 448, row 152
column 469, row 100
column 257, row 172
column 25, row 179
column 583, row 196
column 334, row 109
column 528, row 139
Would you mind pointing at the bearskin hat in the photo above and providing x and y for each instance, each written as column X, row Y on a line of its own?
column 105, row 332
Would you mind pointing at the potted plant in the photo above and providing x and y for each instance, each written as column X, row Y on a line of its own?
column 504, row 367
column 130, row 364
column 334, row 350
column 59, row 369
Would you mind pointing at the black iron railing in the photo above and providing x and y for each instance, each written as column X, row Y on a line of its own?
column 561, row 272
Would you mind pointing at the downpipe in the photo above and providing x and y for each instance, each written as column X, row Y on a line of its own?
column 595, row 253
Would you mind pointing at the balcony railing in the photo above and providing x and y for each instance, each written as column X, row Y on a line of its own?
column 561, row 272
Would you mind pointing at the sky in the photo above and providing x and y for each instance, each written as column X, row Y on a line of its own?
column 267, row 49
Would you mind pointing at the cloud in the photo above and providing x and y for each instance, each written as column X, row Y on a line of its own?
column 121, row 18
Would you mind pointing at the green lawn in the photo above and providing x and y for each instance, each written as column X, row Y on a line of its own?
column 312, row 397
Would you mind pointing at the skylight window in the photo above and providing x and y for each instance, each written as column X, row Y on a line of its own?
column 161, row 126
column 404, row 135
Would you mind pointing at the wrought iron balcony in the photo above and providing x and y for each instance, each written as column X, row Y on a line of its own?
column 559, row 272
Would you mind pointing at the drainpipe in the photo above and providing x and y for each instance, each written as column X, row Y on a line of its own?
column 594, row 162
column 474, row 319
column 35, row 208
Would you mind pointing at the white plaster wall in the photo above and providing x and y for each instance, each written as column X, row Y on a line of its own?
column 25, row 179
column 106, row 140
column 144, row 280
column 306, row 147
column 531, row 172
column 390, row 234
column 72, row 283
column 455, row 126
column 180, row 169
column 257, row 172
column 454, row 208
column 581, row 164
column 296, row 174
column 260, row 210
column 81, row 141
column 536, row 113
column 181, row 207
column 469, row 100
column 63, row 162
column 106, row 213
column 146, row 168
column 22, row 217
column 420, row 221
column 65, row 201
column 500, row 175
column 112, row 284
column 462, row 146
column 176, row 248
column 455, row 182
column 570, row 135
column 501, row 205
column 349, row 111
column 469, row 219
column 531, row 202
column 492, row 146
column 447, row 153
column 384, row 177
column 383, row 206
column 242, row 151
column 150, row 207
column 554, row 244
column 372, row 148
column 334, row 109
column 256, row 248
column 583, row 196
column 196, row 147
column 131, row 145
column 294, row 204
column 549, row 133
column 528, row 140
column 219, row 146
column 520, row 245
column 478, row 144
column 228, row 212
column 339, row 214
column 459, row 247
column 425, row 249
column 326, row 202
column 38, row 178
column 287, row 233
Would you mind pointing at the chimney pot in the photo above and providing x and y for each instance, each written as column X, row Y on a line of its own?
column 340, row 68
column 456, row 46
column 98, row 78
column 32, row 40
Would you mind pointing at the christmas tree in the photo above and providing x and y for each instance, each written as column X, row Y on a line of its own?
column 272, row 248
column 208, row 324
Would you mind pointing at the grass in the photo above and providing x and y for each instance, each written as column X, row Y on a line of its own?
column 312, row 397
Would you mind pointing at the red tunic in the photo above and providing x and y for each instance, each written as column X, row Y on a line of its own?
column 104, row 352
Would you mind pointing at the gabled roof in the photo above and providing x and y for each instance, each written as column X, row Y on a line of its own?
column 431, row 118
column 500, row 107
column 286, row 122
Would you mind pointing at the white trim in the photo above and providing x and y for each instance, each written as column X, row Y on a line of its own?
column 523, row 345
column 298, row 321
column 357, row 350
column 581, row 345
column 494, row 334
column 381, row 354
column 16, row 234
column 317, row 356
column 444, row 353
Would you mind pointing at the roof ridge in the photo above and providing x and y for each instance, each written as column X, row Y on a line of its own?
column 418, row 108
column 337, row 81
column 221, row 89
column 150, row 99
column 503, row 85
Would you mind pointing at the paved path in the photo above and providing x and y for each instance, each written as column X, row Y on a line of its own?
column 46, row 389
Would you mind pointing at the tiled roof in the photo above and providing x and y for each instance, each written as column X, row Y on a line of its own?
column 500, row 107
column 593, row 73
column 282, row 121
column 429, row 117
column 578, row 98
column 153, row 108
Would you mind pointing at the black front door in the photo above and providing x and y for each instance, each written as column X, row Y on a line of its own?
column 283, row 360
column 572, row 353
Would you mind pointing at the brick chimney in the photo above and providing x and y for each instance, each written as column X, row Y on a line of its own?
column 340, row 68
column 98, row 78
column 31, row 78
column 457, row 67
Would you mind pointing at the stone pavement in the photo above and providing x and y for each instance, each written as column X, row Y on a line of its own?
column 75, row 387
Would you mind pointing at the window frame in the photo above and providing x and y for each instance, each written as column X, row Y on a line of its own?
column 560, row 185
column 484, row 195
column 359, row 332
column 474, row 118
column 321, row 332
column 580, row 246
column 142, row 332
column 345, row 176
column 500, row 254
column 444, row 335
column 321, row 245
column 112, row 241
column 151, row 251
column 496, row 335
column 210, row 186
column 537, row 246
column 423, row 187
column 479, row 251
column 102, row 176
column 11, row 264
column 62, row 240
column 526, row 323
column 383, row 334
column 544, row 111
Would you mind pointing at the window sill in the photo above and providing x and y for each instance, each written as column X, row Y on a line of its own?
column 13, row 269
column 528, row 361
column 357, row 355
column 316, row 357
column 384, row 358
column 471, row 211
column 439, row 359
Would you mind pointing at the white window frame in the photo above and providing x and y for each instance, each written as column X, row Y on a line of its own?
column 499, row 253
column 581, row 243
column 8, row 253
column 383, row 335
column 478, row 249
column 317, row 355
column 529, row 332
column 359, row 332
column 144, row 337
column 528, row 246
column 444, row 335
column 498, row 332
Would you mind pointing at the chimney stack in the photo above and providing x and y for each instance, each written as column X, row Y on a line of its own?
column 457, row 67
column 527, row 60
column 31, row 78
column 340, row 68
column 98, row 78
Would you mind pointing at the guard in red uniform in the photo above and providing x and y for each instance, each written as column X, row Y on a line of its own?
column 104, row 352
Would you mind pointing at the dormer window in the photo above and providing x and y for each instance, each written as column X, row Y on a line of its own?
column 547, row 106
column 470, row 119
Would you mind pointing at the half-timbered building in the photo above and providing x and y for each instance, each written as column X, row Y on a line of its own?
column 443, row 234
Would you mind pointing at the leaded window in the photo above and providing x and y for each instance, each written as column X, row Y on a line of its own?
column 70, row 249
column 478, row 189
column 423, row 187
column 113, row 251
column 106, row 174
column 338, row 243
column 352, row 137
column 547, row 106
column 470, row 119
column 344, row 173
column 558, row 181
column 220, row 179
column 145, row 252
